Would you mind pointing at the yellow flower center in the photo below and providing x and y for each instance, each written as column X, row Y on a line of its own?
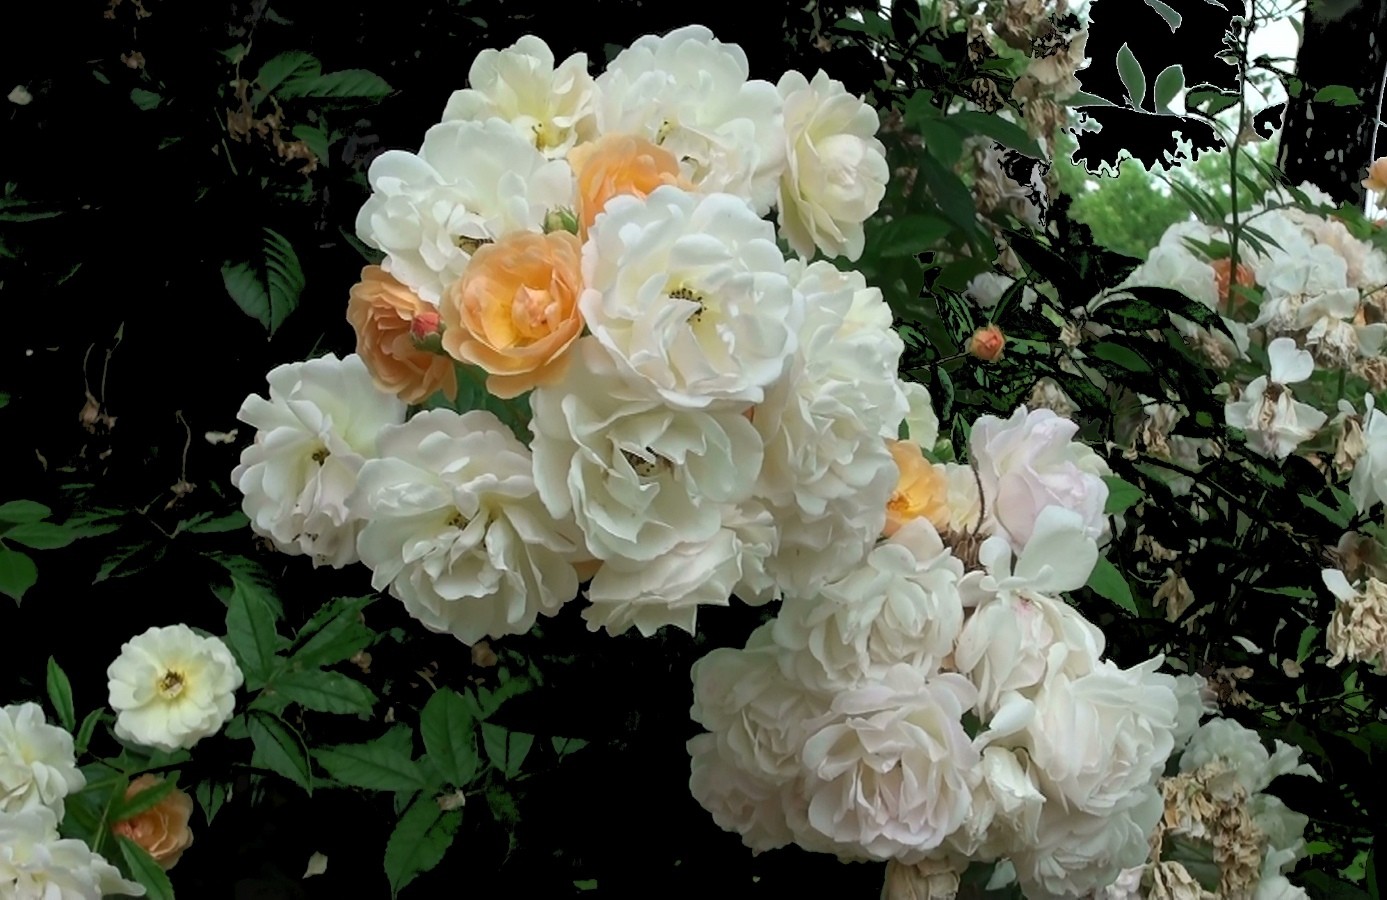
column 171, row 684
column 684, row 293
column 321, row 454
column 647, row 468
column 457, row 519
column 469, row 245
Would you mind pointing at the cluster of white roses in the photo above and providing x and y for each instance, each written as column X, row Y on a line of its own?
column 38, row 768
column 939, row 702
column 717, row 420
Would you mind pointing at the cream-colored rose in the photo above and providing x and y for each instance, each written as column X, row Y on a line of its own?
column 162, row 830
column 1377, row 177
column 514, row 311
column 390, row 323
column 921, row 492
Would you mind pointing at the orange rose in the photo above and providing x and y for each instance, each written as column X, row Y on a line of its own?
column 921, row 490
column 987, row 343
column 391, row 326
column 1222, row 271
column 619, row 164
column 514, row 311
column 162, row 830
column 1377, row 176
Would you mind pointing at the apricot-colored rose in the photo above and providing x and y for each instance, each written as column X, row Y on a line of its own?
column 162, row 830
column 619, row 164
column 987, row 343
column 392, row 325
column 921, row 490
column 1222, row 270
column 514, row 311
column 1377, row 176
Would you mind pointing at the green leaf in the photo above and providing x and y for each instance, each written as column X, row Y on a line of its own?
column 60, row 695
column 279, row 748
column 315, row 139
column 347, row 84
column 294, row 64
column 909, row 235
column 1169, row 84
column 250, row 633
column 145, row 870
column 232, row 521
column 269, row 290
column 385, row 764
column 329, row 692
column 146, row 799
column 450, row 737
column 1122, row 495
column 505, row 748
column 1000, row 130
column 1132, row 76
column 1338, row 95
column 210, row 796
column 144, row 99
column 1336, row 516
column 17, row 573
column 22, row 511
column 564, row 746
column 1172, row 18
column 1107, row 582
column 83, row 738
column 419, row 841
column 40, row 535
column 335, row 633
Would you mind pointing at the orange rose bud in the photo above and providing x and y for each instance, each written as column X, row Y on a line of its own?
column 162, row 830
column 514, row 312
column 987, row 343
column 920, row 491
column 619, row 164
column 1222, row 270
column 388, row 318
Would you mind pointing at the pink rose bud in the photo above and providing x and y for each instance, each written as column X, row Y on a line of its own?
column 424, row 325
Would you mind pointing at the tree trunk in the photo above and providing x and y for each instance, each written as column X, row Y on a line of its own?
column 1345, row 43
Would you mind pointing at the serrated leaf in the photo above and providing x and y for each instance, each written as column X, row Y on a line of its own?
column 1169, row 84
column 279, row 748
column 564, row 746
column 1338, row 95
column 1132, row 76
column 450, row 736
column 909, row 235
column 125, row 808
column 40, row 535
column 1107, row 582
column 1000, row 130
column 347, row 84
column 232, row 521
column 335, row 633
column 82, row 740
column 60, row 695
column 329, row 692
column 145, row 870
column 250, row 633
column 1122, row 495
column 419, row 842
column 210, row 796
column 268, row 290
column 505, row 748
column 315, row 139
column 21, row 511
column 17, row 573
column 294, row 64
column 385, row 764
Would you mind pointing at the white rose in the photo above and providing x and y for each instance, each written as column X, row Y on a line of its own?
column 171, row 687
column 921, row 423
column 1100, row 737
column 551, row 108
column 1006, row 806
column 456, row 530
column 1269, row 415
column 469, row 184
column 814, row 550
column 689, row 93
column 638, row 476
column 312, row 435
column 1289, row 282
column 1079, row 852
column 1172, row 265
column 37, row 762
column 759, row 717
column 987, row 288
column 836, row 170
column 900, row 606
column 739, row 801
column 1196, row 701
column 36, row 864
column 891, row 775
column 690, row 296
column 1241, row 751
column 1029, row 462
